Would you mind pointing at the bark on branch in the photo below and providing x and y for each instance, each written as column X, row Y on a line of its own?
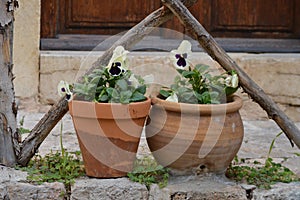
column 217, row 53
column 50, row 119
column 9, row 144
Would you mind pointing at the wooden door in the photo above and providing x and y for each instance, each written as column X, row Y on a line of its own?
column 103, row 17
column 69, row 19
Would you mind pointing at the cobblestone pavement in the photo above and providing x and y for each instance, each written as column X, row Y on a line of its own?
column 259, row 133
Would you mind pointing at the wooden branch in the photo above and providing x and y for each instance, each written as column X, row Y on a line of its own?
column 7, row 153
column 38, row 134
column 31, row 144
column 217, row 53
column 9, row 144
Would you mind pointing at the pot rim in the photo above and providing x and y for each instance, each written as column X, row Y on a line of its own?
column 89, row 109
column 109, row 104
column 234, row 105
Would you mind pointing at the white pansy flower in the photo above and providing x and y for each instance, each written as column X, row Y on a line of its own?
column 232, row 81
column 118, row 62
column 235, row 81
column 179, row 57
column 63, row 89
column 173, row 98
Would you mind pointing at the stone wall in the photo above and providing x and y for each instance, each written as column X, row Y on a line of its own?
column 26, row 48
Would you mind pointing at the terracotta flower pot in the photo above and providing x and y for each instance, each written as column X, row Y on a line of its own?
column 108, row 135
column 193, row 138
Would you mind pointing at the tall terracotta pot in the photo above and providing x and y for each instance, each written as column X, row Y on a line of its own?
column 108, row 135
column 194, row 138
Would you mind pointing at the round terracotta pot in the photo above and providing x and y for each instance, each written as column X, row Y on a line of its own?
column 108, row 135
column 194, row 138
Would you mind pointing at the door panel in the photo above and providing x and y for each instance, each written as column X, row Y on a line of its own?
column 250, row 19
column 102, row 17
column 255, row 18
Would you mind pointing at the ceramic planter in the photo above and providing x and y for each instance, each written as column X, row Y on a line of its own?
column 108, row 135
column 193, row 138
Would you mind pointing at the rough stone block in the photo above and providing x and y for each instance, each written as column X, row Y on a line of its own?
column 198, row 188
column 104, row 189
column 27, row 191
column 13, row 185
column 8, row 174
column 289, row 191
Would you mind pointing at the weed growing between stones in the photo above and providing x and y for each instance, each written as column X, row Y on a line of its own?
column 61, row 166
column 147, row 171
column 21, row 128
column 261, row 175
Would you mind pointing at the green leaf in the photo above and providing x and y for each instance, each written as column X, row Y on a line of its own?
column 181, row 90
column 112, row 92
column 230, row 90
column 122, row 84
column 201, row 68
column 95, row 80
column 125, row 96
column 165, row 93
column 141, row 89
column 187, row 96
column 188, row 74
column 198, row 96
column 137, row 96
column 103, row 98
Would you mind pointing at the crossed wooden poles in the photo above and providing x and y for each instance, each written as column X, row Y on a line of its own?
column 171, row 7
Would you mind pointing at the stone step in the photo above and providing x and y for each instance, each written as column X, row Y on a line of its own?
column 14, row 186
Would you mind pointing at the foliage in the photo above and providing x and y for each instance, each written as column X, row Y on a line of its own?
column 100, row 86
column 195, row 84
column 21, row 128
column 114, row 83
column 198, row 86
column 263, row 176
column 61, row 166
column 147, row 171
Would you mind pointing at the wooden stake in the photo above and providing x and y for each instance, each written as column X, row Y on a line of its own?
column 217, row 53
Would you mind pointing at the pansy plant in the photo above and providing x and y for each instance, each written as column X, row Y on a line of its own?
column 195, row 84
column 113, row 83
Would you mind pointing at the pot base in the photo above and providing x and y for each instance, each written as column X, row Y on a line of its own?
column 108, row 162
